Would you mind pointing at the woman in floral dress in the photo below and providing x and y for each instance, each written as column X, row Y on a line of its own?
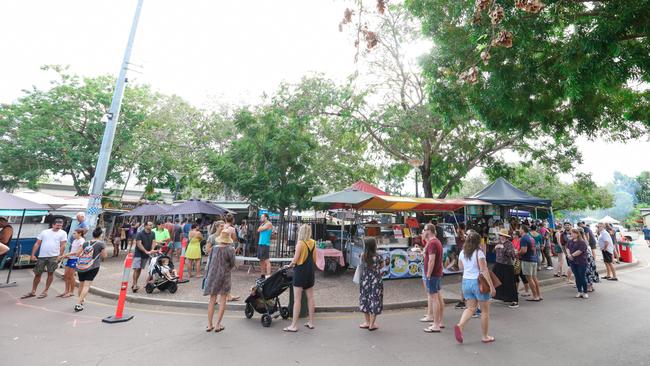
column 592, row 272
column 371, row 297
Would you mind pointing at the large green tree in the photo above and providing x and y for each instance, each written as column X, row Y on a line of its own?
column 59, row 130
column 271, row 163
column 558, row 65
column 403, row 114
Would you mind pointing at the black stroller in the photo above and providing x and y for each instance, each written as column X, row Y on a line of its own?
column 265, row 299
column 159, row 280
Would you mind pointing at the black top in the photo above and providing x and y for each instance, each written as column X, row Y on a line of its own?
column 147, row 240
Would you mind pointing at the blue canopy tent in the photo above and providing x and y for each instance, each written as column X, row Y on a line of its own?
column 503, row 193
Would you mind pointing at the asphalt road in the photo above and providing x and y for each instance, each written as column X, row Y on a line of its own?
column 610, row 328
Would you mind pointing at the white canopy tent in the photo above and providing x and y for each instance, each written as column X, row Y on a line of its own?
column 609, row 220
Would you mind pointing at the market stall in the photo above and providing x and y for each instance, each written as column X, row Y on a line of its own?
column 397, row 236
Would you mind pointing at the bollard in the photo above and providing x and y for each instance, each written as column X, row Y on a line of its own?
column 119, row 316
column 181, row 265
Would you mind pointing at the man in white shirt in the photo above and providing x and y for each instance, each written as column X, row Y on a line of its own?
column 606, row 245
column 52, row 244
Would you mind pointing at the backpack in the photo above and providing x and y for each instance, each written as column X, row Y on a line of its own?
column 87, row 258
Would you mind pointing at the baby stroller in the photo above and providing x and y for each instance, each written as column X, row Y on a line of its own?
column 265, row 299
column 158, row 279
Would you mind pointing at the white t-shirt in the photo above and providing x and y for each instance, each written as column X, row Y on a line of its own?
column 76, row 244
column 51, row 242
column 603, row 238
column 471, row 269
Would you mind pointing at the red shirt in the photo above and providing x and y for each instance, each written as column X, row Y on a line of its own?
column 433, row 247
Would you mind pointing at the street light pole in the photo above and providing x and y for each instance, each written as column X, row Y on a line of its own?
column 99, row 180
column 416, row 163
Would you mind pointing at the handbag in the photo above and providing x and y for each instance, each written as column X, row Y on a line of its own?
column 483, row 285
column 517, row 265
column 358, row 272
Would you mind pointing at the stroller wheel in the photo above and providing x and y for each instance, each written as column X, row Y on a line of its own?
column 266, row 320
column 284, row 312
column 249, row 311
column 149, row 288
column 172, row 287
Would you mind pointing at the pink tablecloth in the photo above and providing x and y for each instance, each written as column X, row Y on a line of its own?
column 322, row 253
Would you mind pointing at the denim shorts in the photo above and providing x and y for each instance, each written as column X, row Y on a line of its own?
column 176, row 245
column 433, row 285
column 471, row 291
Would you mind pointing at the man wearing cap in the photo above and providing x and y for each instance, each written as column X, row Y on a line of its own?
column 51, row 243
column 6, row 232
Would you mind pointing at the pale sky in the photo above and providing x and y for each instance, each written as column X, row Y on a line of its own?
column 208, row 52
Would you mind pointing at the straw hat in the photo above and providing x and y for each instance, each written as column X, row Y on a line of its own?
column 224, row 237
column 504, row 232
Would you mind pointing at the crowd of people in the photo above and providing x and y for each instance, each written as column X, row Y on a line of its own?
column 523, row 248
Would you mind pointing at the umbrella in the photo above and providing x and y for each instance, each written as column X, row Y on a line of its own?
column 588, row 219
column 347, row 197
column 609, row 220
column 197, row 207
column 148, row 209
column 11, row 202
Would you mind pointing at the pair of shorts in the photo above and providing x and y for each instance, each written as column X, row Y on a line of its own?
column 88, row 275
column 607, row 257
column 433, row 285
column 140, row 263
column 263, row 252
column 472, row 292
column 45, row 263
column 71, row 262
column 176, row 245
column 529, row 268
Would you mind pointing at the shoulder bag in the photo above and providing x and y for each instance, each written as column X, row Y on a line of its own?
column 483, row 285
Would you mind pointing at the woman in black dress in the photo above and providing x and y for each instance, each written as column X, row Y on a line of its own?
column 303, row 276
column 371, row 297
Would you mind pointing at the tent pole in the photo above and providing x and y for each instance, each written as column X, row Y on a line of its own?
column 13, row 258
column 536, row 217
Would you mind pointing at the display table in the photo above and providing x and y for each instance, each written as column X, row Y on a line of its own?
column 322, row 253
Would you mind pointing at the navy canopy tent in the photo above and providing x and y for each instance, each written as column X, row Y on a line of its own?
column 503, row 193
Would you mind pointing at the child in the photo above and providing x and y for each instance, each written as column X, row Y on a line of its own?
column 71, row 262
column 169, row 273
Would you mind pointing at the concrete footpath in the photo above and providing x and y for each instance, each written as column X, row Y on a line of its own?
column 333, row 293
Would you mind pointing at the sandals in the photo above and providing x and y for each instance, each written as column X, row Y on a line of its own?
column 27, row 296
column 234, row 298
column 42, row 295
column 135, row 289
column 489, row 340
column 426, row 320
column 309, row 326
column 287, row 329
column 458, row 334
column 209, row 329
column 371, row 329
column 364, row 326
column 431, row 330
column 219, row 329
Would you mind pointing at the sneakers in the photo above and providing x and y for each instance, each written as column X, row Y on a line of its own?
column 78, row 307
column 460, row 305
column 585, row 296
column 578, row 295
column 514, row 305
column 477, row 313
column 549, row 268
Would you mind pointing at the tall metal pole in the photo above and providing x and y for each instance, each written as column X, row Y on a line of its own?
column 99, row 180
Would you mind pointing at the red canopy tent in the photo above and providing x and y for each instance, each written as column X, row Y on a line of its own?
column 368, row 188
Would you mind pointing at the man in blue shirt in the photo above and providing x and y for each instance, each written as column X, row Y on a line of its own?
column 264, row 244
column 646, row 234
column 528, row 256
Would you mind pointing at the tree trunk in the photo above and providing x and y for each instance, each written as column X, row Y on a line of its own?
column 425, row 171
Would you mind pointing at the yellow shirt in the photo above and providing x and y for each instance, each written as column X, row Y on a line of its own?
column 311, row 245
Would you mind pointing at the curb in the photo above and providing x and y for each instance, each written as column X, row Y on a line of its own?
column 319, row 309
